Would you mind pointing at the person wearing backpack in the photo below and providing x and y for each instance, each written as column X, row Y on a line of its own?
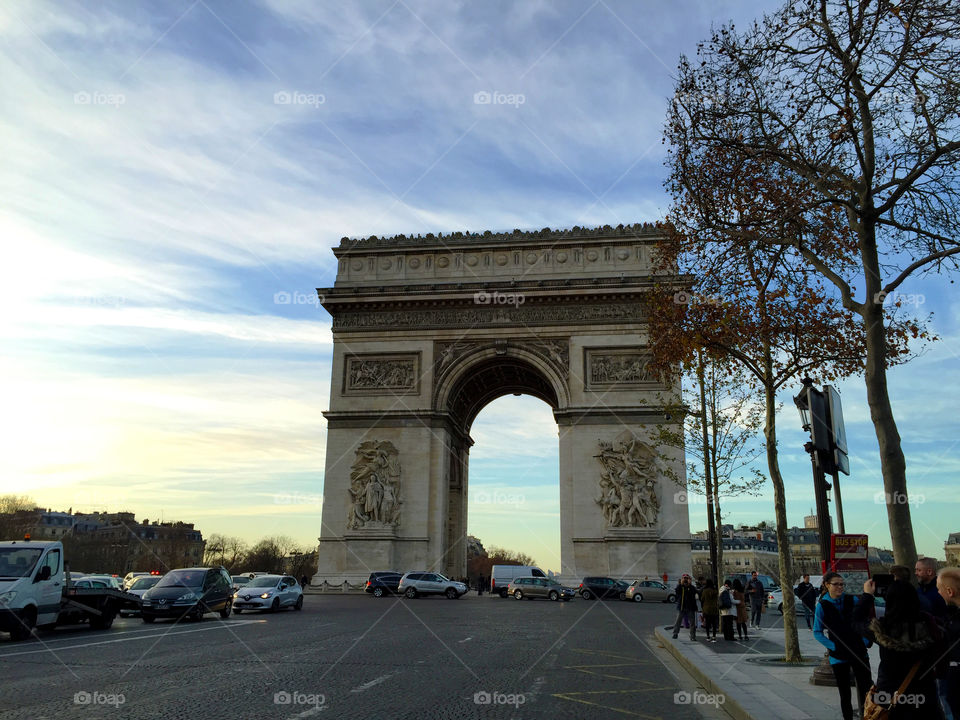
column 834, row 627
column 727, row 605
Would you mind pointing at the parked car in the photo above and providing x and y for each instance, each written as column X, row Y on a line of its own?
column 90, row 582
column 269, row 592
column 138, row 587
column 383, row 582
column 537, row 587
column 414, row 584
column 110, row 581
column 130, row 577
column 188, row 592
column 602, row 587
column 641, row 590
column 502, row 575
column 238, row 581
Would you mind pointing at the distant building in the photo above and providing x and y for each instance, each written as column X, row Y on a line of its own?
column 740, row 554
column 951, row 549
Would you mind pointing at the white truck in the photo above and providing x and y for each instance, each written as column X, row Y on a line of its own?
column 35, row 591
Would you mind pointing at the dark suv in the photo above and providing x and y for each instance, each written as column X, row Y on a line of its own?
column 189, row 592
column 383, row 582
column 602, row 587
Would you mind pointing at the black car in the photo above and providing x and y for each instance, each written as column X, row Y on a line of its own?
column 602, row 587
column 189, row 592
column 383, row 582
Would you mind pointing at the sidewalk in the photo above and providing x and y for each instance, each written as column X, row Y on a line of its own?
column 754, row 689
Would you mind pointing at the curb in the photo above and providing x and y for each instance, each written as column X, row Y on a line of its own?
column 730, row 706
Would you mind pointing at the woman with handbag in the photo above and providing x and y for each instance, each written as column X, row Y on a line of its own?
column 727, row 605
column 910, row 645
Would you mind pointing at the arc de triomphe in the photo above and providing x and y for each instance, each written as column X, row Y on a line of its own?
column 429, row 330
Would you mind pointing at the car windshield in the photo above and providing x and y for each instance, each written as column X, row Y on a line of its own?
column 443, row 577
column 18, row 562
column 183, row 578
column 145, row 582
column 263, row 581
column 240, row 579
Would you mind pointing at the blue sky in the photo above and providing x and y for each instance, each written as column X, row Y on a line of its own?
column 169, row 168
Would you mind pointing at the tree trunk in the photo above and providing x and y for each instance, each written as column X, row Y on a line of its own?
column 719, row 524
column 708, row 457
column 893, row 465
column 791, row 640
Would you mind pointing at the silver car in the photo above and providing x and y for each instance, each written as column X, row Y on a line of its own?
column 538, row 587
column 269, row 592
column 642, row 590
column 414, row 584
column 138, row 587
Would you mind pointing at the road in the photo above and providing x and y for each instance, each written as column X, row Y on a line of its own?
column 354, row 656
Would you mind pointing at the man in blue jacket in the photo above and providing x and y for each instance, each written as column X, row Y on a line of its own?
column 834, row 629
column 686, row 595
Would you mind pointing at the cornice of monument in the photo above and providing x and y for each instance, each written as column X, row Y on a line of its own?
column 644, row 232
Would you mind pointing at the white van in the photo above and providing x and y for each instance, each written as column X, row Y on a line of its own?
column 503, row 575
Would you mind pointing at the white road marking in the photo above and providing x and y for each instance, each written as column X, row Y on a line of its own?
column 61, row 648
column 315, row 710
column 375, row 681
column 466, row 639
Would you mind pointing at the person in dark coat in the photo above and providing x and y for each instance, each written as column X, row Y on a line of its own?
column 711, row 611
column 686, row 595
column 757, row 594
column 727, row 604
column 835, row 628
column 807, row 595
column 948, row 585
column 906, row 636
column 740, row 601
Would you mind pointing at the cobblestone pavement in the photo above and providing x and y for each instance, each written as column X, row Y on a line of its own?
column 355, row 656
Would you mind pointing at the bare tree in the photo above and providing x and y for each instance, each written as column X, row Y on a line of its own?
column 860, row 102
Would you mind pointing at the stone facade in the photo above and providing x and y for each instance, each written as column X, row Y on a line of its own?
column 428, row 331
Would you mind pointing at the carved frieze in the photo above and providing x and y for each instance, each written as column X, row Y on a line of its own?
column 375, row 487
column 487, row 316
column 390, row 374
column 628, row 482
column 618, row 369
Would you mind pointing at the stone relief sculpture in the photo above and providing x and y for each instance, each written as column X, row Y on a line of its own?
column 619, row 368
column 381, row 374
column 375, row 486
column 628, row 482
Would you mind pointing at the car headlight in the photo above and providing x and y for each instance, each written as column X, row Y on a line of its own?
column 267, row 594
column 7, row 597
column 187, row 596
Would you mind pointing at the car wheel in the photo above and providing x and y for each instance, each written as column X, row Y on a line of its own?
column 671, row 598
column 225, row 613
column 503, row 593
column 298, row 605
column 410, row 593
column 451, row 594
column 780, row 608
column 197, row 613
column 148, row 618
column 518, row 594
column 24, row 628
column 378, row 592
column 275, row 606
column 638, row 597
column 586, row 595
column 622, row 595
column 554, row 595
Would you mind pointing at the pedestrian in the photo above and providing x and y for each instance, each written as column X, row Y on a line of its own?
column 686, row 596
column 305, row 581
column 709, row 603
column 727, row 604
column 833, row 627
column 930, row 600
column 480, row 585
column 910, row 645
column 807, row 595
column 740, row 600
column 757, row 595
column 948, row 584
